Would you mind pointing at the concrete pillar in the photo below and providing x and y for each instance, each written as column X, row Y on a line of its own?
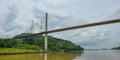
column 46, row 36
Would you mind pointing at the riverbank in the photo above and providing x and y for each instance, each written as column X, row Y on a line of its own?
column 14, row 51
column 11, row 51
column 6, row 50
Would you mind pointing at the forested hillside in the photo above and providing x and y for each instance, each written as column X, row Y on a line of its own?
column 37, row 43
column 116, row 48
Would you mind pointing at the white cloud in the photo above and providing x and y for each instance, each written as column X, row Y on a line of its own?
column 57, row 2
column 63, row 13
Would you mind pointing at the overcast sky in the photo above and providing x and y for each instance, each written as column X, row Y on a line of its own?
column 16, row 17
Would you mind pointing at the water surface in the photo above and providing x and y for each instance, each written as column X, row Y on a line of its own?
column 86, row 55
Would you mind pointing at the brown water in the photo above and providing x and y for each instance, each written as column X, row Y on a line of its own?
column 86, row 55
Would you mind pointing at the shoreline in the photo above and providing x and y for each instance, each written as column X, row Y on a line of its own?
column 14, row 53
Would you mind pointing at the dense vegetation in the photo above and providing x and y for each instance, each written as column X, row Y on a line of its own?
column 37, row 43
column 15, row 50
column 116, row 48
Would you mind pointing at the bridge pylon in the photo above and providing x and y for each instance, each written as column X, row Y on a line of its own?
column 46, row 36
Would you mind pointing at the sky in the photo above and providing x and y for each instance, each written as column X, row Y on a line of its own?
column 16, row 17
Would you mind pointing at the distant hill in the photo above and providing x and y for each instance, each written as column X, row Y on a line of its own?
column 37, row 43
column 116, row 48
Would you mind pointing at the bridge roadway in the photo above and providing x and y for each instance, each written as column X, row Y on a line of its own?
column 79, row 26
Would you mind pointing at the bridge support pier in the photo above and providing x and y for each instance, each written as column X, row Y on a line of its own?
column 46, row 36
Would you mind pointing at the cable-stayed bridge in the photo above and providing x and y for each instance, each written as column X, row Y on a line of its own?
column 64, row 29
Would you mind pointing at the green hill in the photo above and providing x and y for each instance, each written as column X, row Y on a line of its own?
column 36, row 42
column 116, row 48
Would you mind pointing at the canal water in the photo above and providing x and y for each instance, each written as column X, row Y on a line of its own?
column 86, row 55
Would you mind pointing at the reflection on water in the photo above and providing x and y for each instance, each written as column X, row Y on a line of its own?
column 45, row 56
column 87, row 55
column 41, row 56
column 99, row 55
column 63, row 56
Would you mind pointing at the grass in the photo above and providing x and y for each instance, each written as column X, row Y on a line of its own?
column 15, row 50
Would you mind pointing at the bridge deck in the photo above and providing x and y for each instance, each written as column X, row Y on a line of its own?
column 79, row 26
